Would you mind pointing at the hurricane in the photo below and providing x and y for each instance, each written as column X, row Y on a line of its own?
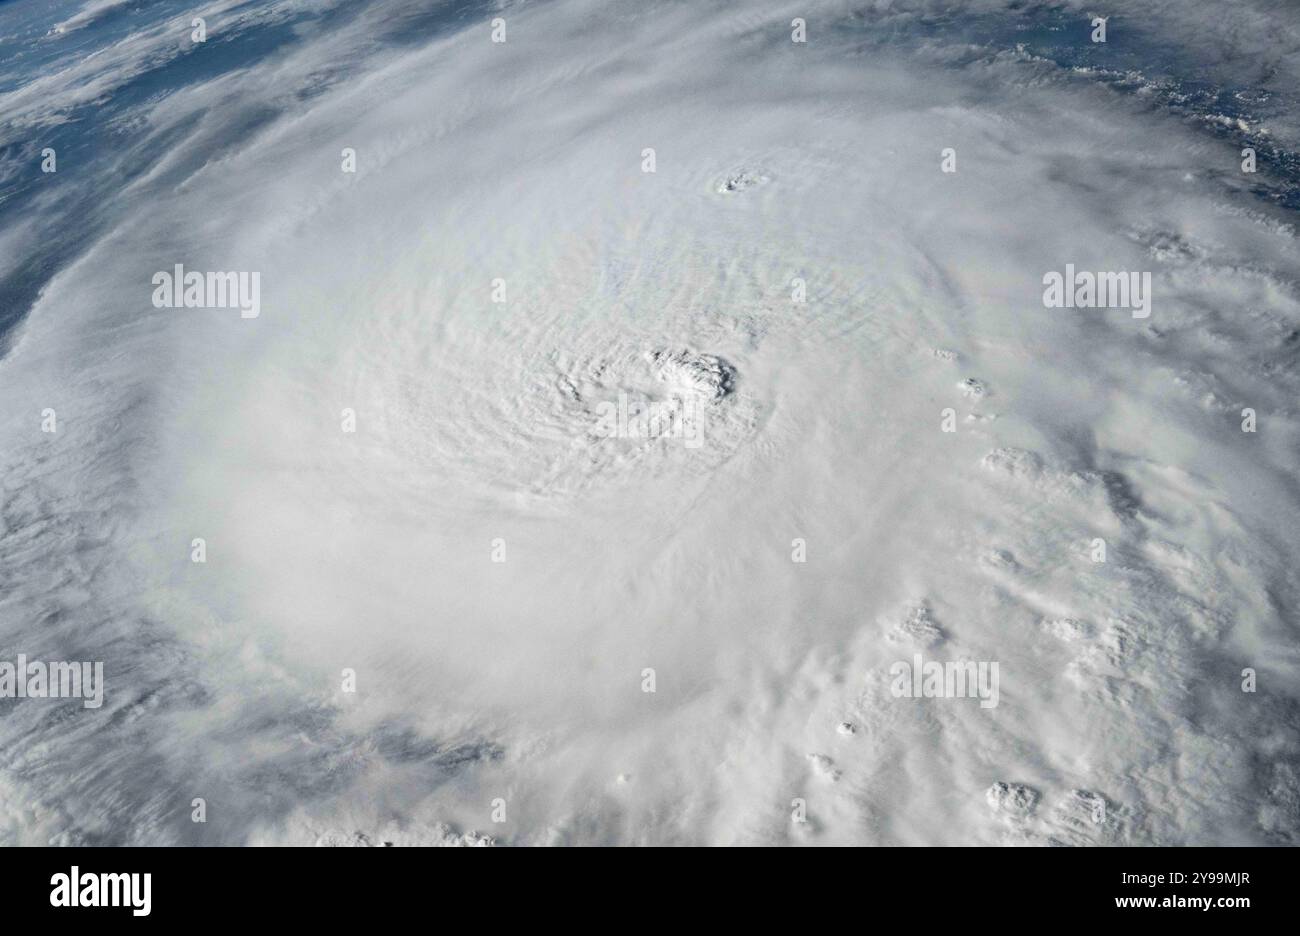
column 648, row 423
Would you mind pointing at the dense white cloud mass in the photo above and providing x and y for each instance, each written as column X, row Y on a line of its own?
column 1120, row 716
